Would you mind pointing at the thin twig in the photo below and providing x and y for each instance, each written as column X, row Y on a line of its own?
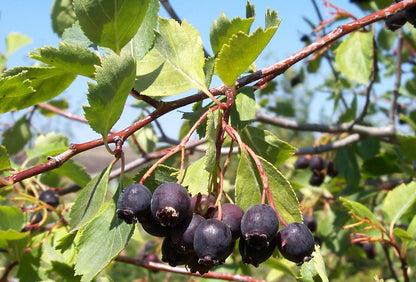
column 393, row 104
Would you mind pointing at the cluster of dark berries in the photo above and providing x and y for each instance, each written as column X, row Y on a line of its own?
column 318, row 166
column 195, row 237
column 50, row 198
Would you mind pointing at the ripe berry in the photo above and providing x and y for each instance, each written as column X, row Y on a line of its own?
column 259, row 225
column 316, row 163
column 134, row 203
column 310, row 222
column 254, row 256
column 170, row 203
column 49, row 197
column 302, row 162
column 330, row 169
column 410, row 15
column 369, row 250
column 153, row 227
column 202, row 206
column 396, row 21
column 316, row 179
column 171, row 255
column 296, row 243
column 213, row 242
column 182, row 234
column 231, row 215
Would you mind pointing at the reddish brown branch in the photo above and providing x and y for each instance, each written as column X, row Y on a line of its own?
column 182, row 270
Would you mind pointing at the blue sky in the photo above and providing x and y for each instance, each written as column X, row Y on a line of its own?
column 32, row 18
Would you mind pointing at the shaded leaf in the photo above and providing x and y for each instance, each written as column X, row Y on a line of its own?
column 162, row 174
column 140, row 44
column 62, row 15
column 243, row 110
column 347, row 165
column 76, row 37
column 48, row 145
column 354, row 56
column 314, row 270
column 89, row 201
column 104, row 21
column 22, row 87
column 175, row 64
column 11, row 218
column 75, row 59
column 101, row 241
column 212, row 131
column 407, row 146
column 385, row 163
column 15, row 138
column 74, row 171
column 115, row 78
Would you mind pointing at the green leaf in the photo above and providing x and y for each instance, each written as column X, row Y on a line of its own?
column 240, row 52
column 29, row 265
column 249, row 187
column 75, row 59
column 22, row 87
column 48, row 145
column 244, row 108
column 142, row 41
column 386, row 38
column 314, row 270
column 385, row 163
column 105, row 22
column 161, row 174
column 403, row 235
column 15, row 138
column 76, row 37
column 146, row 137
column 89, row 201
column 212, row 131
column 250, row 11
column 4, row 158
column 267, row 145
column 107, row 98
column 347, row 165
column 14, row 41
column 399, row 200
column 411, row 230
column 101, row 241
column 407, row 146
column 175, row 64
column 196, row 178
column 74, row 171
column 248, row 184
column 222, row 29
column 354, row 56
column 62, row 15
column 11, row 218
column 271, row 19
column 363, row 212
column 11, row 234
column 350, row 113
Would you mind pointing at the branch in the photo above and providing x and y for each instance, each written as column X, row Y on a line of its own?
column 393, row 104
column 351, row 139
column 182, row 270
column 366, row 131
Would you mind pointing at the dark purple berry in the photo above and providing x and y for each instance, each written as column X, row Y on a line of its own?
column 396, row 21
column 172, row 256
column 410, row 15
column 369, row 250
column 259, row 225
column 255, row 256
column 182, row 234
column 316, row 179
column 200, row 207
column 231, row 215
column 296, row 243
column 302, row 162
column 134, row 203
column 170, row 203
column 310, row 222
column 153, row 227
column 49, row 197
column 213, row 242
column 318, row 240
column 330, row 169
column 316, row 163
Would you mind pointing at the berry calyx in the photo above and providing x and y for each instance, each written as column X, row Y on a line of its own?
column 170, row 203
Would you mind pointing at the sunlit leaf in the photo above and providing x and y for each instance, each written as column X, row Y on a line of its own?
column 14, row 41
column 4, row 158
column 62, row 15
column 399, row 200
column 15, row 138
column 196, row 177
